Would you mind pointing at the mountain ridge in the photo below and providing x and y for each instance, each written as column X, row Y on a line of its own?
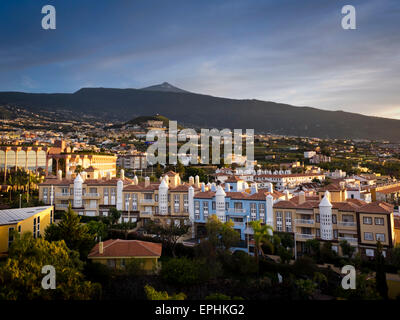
column 200, row 110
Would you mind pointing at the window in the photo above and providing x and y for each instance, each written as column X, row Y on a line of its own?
column 380, row 237
column 261, row 209
column 185, row 203
column 368, row 236
column 379, row 221
column 318, row 233
column 278, row 220
column 134, row 201
column 335, row 234
column 111, row 263
column 334, row 219
column 347, row 218
column 34, row 227
column 369, row 252
column 19, row 227
column 213, row 205
column 197, row 210
column 317, row 218
column 156, row 197
column 205, row 209
column 288, row 221
column 38, row 227
column 253, row 211
column 226, row 206
column 367, row 220
column 177, row 203
column 127, row 198
column 10, row 236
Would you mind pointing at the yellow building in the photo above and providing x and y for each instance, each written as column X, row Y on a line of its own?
column 330, row 216
column 91, row 195
column 117, row 253
column 34, row 219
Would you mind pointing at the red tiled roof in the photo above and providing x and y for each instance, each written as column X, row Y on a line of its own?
column 127, row 248
column 376, row 207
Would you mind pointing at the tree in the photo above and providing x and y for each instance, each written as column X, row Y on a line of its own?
column 313, row 246
column 21, row 274
column 184, row 271
column 153, row 294
column 169, row 233
column 347, row 249
column 381, row 284
column 98, row 229
column 76, row 235
column 221, row 235
column 78, row 169
column 263, row 235
column 115, row 215
column 306, row 288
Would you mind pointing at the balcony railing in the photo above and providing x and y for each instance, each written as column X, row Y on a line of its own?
column 61, row 205
column 349, row 239
column 305, row 236
column 62, row 194
column 91, row 195
column 304, row 221
column 236, row 210
column 346, row 224
column 238, row 224
column 147, row 201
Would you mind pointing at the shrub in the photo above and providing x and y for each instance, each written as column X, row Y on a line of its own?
column 182, row 271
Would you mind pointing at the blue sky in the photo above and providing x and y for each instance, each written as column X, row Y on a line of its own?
column 290, row 51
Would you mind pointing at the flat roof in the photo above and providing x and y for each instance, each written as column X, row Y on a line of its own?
column 12, row 216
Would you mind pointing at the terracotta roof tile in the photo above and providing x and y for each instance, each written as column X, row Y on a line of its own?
column 127, row 248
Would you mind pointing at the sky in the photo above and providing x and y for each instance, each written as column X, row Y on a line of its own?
column 288, row 51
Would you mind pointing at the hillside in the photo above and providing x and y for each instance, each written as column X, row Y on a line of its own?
column 197, row 110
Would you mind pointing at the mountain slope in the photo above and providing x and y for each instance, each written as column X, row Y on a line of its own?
column 204, row 111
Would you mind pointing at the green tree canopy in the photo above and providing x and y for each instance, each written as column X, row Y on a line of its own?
column 21, row 274
column 75, row 234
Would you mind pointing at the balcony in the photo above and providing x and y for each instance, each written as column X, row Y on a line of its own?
column 61, row 205
column 147, row 201
column 304, row 236
column 62, row 195
column 346, row 224
column 237, row 224
column 91, row 196
column 304, row 221
column 236, row 210
column 350, row 240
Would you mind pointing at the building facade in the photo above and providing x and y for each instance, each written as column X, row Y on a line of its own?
column 34, row 220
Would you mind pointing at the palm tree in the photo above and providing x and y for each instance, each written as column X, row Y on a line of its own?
column 263, row 235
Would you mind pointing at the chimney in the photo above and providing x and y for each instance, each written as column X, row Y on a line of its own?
column 197, row 181
column 146, row 181
column 59, row 175
column 135, row 180
column 270, row 187
column 108, row 175
column 203, row 187
column 302, row 197
column 191, row 180
column 69, row 174
column 254, row 188
column 286, row 192
column 101, row 247
column 122, row 174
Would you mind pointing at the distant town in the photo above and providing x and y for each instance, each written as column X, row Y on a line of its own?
column 301, row 204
